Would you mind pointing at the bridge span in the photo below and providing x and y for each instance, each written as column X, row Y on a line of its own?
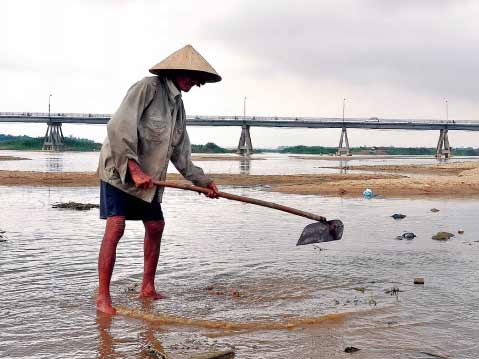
column 54, row 134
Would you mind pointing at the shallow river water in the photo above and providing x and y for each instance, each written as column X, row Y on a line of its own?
column 234, row 279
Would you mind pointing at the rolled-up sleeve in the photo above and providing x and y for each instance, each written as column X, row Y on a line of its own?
column 181, row 159
column 122, row 129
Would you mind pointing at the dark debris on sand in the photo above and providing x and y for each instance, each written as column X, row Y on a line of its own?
column 76, row 206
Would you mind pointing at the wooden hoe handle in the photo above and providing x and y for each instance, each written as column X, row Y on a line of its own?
column 234, row 197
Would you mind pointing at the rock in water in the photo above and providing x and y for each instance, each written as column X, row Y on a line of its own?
column 351, row 349
column 229, row 354
column 398, row 216
column 434, row 210
column 442, row 236
column 76, row 206
column 419, row 280
column 406, row 235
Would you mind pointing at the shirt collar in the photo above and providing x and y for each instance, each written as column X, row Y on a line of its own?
column 173, row 92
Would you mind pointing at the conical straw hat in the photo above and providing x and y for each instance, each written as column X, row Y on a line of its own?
column 189, row 60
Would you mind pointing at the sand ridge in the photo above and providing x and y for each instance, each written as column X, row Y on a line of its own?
column 458, row 179
column 12, row 158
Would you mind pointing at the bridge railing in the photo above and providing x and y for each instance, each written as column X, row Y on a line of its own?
column 53, row 115
column 61, row 115
column 291, row 119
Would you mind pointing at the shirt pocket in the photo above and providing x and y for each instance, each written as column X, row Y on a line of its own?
column 156, row 130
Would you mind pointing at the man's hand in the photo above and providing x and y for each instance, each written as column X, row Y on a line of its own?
column 213, row 191
column 140, row 178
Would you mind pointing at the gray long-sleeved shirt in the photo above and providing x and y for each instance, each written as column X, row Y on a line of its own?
column 150, row 128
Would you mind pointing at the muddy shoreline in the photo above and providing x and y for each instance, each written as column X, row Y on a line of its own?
column 12, row 158
column 458, row 179
column 215, row 157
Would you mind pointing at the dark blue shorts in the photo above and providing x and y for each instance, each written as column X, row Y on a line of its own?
column 115, row 202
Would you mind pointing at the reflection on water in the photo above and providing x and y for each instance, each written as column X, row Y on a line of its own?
column 235, row 279
column 245, row 165
column 239, row 281
column 54, row 162
column 257, row 164
column 343, row 166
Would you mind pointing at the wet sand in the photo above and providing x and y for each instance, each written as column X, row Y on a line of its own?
column 446, row 180
column 348, row 158
column 215, row 157
column 81, row 179
column 12, row 158
column 457, row 179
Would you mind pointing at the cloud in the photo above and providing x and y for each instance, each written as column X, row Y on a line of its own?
column 426, row 47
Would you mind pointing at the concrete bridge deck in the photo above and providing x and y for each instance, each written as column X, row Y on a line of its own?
column 54, row 134
column 257, row 121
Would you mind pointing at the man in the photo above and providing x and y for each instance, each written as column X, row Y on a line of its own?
column 146, row 132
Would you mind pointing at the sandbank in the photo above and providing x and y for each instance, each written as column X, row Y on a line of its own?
column 349, row 158
column 459, row 179
column 222, row 157
column 12, row 158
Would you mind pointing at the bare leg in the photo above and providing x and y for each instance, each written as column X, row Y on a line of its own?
column 151, row 247
column 115, row 226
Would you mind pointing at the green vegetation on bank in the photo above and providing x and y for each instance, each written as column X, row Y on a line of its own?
column 26, row 143
column 411, row 151
column 209, row 148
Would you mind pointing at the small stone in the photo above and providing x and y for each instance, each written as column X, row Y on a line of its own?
column 360, row 289
column 351, row 349
column 460, row 231
column 419, row 280
column 442, row 236
column 398, row 216
column 434, row 210
column 406, row 235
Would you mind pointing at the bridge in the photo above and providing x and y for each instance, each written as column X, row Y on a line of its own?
column 54, row 135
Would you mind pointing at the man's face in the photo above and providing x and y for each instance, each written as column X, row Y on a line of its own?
column 185, row 83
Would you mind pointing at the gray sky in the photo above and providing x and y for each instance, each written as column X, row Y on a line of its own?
column 389, row 59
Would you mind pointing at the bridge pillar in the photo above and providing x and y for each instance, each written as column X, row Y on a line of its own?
column 343, row 150
column 54, row 137
column 245, row 146
column 443, row 148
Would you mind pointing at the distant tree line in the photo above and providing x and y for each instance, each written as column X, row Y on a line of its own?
column 27, row 143
column 210, row 147
column 412, row 151
column 9, row 142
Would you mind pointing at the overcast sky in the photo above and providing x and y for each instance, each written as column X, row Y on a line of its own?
column 390, row 59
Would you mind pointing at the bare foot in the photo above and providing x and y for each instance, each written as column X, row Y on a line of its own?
column 151, row 293
column 105, row 306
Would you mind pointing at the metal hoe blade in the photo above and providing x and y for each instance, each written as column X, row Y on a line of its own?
column 321, row 232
